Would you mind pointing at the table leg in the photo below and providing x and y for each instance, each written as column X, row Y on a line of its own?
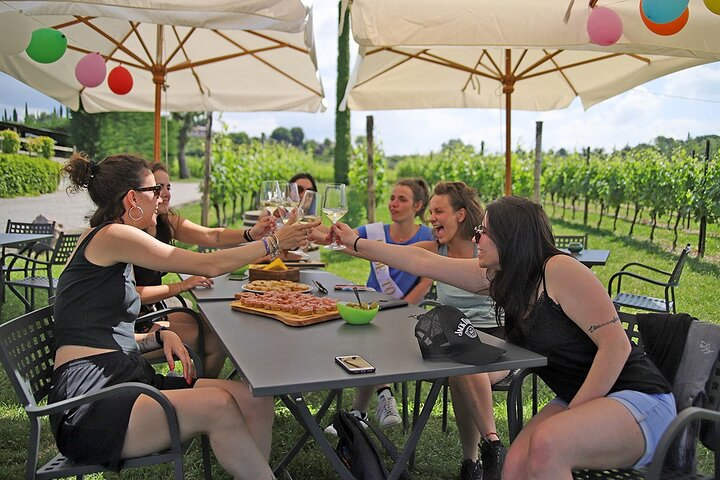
column 297, row 406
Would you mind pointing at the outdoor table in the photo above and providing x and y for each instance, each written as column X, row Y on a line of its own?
column 20, row 239
column 590, row 258
column 289, row 362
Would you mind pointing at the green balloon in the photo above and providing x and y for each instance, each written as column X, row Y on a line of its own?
column 47, row 45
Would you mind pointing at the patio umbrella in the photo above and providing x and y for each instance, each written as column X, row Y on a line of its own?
column 517, row 54
column 252, row 55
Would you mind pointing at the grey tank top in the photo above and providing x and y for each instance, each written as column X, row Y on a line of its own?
column 479, row 309
column 96, row 306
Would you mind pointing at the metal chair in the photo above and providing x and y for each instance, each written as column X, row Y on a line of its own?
column 33, row 268
column 27, row 352
column 642, row 302
column 709, row 434
column 36, row 247
column 562, row 241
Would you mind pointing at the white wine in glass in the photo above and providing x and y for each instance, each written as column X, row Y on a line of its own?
column 306, row 209
column 270, row 195
column 335, row 207
column 290, row 200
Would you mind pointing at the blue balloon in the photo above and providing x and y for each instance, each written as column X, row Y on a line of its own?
column 664, row 11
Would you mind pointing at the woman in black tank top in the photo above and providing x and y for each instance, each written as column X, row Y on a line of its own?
column 555, row 306
column 97, row 347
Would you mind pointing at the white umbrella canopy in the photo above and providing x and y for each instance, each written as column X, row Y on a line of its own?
column 517, row 54
column 218, row 56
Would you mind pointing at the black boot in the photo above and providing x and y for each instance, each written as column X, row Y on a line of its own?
column 470, row 470
column 493, row 458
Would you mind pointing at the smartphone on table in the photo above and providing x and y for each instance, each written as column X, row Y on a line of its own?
column 354, row 364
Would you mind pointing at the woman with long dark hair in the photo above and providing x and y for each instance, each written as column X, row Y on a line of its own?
column 95, row 310
column 612, row 403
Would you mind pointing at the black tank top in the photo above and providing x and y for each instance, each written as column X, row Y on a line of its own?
column 96, row 306
column 570, row 352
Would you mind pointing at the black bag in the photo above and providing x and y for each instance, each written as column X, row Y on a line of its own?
column 357, row 450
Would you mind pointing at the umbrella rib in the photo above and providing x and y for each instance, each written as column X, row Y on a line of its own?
column 391, row 67
column 562, row 72
column 470, row 76
column 181, row 46
column 517, row 65
column 253, row 53
column 431, row 58
column 546, row 58
column 280, row 42
column 108, row 57
column 120, row 46
column 572, row 65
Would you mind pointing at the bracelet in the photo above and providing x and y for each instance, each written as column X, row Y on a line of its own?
column 246, row 235
column 355, row 244
column 267, row 245
column 158, row 337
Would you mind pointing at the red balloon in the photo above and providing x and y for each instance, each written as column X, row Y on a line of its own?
column 120, row 81
column 670, row 28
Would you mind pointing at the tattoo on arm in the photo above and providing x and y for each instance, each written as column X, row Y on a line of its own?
column 596, row 327
column 217, row 237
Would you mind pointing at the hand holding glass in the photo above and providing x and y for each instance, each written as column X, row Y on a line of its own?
column 270, row 195
column 335, row 207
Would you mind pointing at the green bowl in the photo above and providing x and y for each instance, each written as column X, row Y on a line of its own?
column 356, row 316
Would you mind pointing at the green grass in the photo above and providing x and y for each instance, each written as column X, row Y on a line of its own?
column 438, row 452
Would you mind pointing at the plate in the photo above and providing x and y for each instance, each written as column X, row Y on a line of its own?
column 306, row 289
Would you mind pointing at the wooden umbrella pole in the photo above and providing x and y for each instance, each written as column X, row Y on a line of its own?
column 508, row 88
column 158, row 73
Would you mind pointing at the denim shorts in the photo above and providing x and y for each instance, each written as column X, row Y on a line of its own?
column 653, row 413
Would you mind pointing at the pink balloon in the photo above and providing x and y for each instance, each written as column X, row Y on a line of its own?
column 604, row 26
column 90, row 70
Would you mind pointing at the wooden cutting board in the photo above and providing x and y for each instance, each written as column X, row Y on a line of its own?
column 290, row 319
column 294, row 264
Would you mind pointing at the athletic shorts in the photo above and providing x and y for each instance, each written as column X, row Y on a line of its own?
column 652, row 412
column 95, row 432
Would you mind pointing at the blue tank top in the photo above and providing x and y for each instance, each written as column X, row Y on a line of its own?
column 404, row 280
column 479, row 309
column 96, row 306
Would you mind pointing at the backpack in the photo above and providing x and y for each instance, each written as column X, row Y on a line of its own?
column 357, row 450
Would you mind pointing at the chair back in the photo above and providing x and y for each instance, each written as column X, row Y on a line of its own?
column 32, row 228
column 27, row 352
column 64, row 248
column 562, row 241
column 674, row 280
column 709, row 432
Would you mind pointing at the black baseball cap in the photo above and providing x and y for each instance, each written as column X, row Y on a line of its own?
column 445, row 332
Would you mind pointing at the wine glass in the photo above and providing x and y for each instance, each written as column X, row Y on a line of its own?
column 270, row 195
column 290, row 200
column 307, row 210
column 335, row 207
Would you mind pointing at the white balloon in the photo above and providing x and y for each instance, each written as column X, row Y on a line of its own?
column 15, row 32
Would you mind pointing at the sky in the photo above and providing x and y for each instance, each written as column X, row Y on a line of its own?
column 681, row 104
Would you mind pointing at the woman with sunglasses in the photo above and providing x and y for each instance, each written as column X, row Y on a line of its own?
column 171, row 226
column 612, row 403
column 454, row 211
column 95, row 310
column 304, row 181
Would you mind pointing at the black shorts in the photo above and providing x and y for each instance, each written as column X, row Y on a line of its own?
column 95, row 432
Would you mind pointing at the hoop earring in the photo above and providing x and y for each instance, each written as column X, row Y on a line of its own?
column 142, row 212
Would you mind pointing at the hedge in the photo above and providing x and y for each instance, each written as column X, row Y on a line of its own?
column 23, row 175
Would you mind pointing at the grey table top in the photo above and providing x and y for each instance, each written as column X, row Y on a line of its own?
column 277, row 359
column 9, row 239
column 225, row 289
column 590, row 258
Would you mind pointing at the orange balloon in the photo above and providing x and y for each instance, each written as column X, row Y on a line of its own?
column 670, row 28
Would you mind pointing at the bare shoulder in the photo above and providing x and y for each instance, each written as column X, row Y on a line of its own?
column 565, row 277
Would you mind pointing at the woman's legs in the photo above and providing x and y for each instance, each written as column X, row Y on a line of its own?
column 597, row 434
column 239, row 426
column 187, row 329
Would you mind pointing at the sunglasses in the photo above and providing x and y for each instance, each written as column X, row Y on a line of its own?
column 155, row 189
column 300, row 189
column 480, row 230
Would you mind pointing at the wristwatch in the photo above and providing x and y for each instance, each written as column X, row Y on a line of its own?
column 158, row 337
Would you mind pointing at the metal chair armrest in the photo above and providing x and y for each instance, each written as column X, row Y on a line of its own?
column 619, row 275
column 636, row 264
column 138, row 387
column 683, row 418
column 15, row 257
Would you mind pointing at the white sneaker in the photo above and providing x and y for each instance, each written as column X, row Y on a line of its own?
column 386, row 413
column 330, row 429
